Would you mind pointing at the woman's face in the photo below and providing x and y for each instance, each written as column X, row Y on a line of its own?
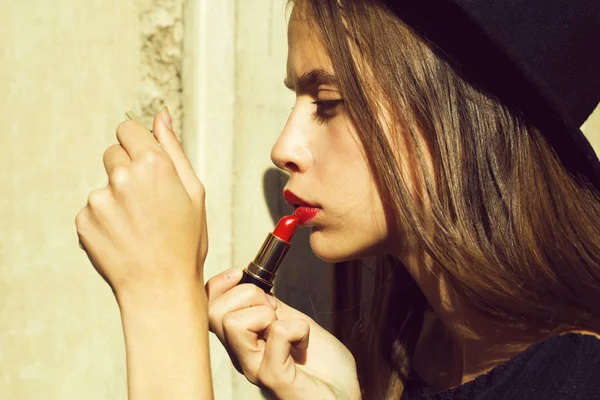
column 321, row 151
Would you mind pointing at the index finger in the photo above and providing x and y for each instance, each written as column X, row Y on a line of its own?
column 236, row 298
column 222, row 282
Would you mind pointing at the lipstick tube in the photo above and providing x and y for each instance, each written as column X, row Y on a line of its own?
column 261, row 271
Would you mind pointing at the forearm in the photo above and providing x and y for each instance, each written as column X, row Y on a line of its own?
column 166, row 339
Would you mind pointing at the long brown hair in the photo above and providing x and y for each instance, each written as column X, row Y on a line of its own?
column 515, row 235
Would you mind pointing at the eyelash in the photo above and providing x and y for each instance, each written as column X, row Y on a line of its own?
column 324, row 110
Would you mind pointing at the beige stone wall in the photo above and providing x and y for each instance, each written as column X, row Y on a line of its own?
column 69, row 70
column 591, row 128
column 161, row 59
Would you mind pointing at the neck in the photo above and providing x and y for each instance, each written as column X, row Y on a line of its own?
column 457, row 343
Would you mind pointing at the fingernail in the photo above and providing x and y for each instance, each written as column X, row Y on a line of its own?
column 166, row 118
column 272, row 300
column 232, row 273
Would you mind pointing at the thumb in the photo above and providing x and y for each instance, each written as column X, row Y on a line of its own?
column 163, row 131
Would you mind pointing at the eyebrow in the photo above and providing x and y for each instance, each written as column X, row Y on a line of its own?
column 310, row 79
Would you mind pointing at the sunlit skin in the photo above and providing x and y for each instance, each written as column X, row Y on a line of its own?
column 320, row 150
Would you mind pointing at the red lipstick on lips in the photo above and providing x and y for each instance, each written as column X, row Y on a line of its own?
column 305, row 214
column 261, row 271
column 304, row 211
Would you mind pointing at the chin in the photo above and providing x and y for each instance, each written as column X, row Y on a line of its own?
column 334, row 250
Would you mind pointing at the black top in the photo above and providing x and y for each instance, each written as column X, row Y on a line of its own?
column 561, row 367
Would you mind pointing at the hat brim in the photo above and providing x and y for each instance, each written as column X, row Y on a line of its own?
column 519, row 77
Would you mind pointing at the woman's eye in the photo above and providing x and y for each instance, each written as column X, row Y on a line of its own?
column 326, row 109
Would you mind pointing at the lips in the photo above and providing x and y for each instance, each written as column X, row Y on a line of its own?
column 302, row 209
column 294, row 200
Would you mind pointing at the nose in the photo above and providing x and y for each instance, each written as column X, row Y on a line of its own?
column 290, row 152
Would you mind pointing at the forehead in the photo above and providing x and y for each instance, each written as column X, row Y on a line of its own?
column 306, row 51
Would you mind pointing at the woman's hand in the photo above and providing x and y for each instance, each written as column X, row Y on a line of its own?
column 147, row 228
column 277, row 347
column 145, row 233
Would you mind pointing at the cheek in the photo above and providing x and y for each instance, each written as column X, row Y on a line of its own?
column 346, row 190
column 357, row 228
column 355, row 223
column 340, row 150
column 344, row 173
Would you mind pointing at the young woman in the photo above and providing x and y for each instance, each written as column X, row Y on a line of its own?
column 485, row 231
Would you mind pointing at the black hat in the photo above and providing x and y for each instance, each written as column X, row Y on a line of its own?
column 542, row 57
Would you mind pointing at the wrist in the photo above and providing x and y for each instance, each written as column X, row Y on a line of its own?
column 171, row 295
column 166, row 339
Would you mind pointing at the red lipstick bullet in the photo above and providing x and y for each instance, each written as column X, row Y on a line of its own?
column 286, row 227
column 261, row 271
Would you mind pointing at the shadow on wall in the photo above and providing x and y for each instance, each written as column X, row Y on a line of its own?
column 303, row 281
